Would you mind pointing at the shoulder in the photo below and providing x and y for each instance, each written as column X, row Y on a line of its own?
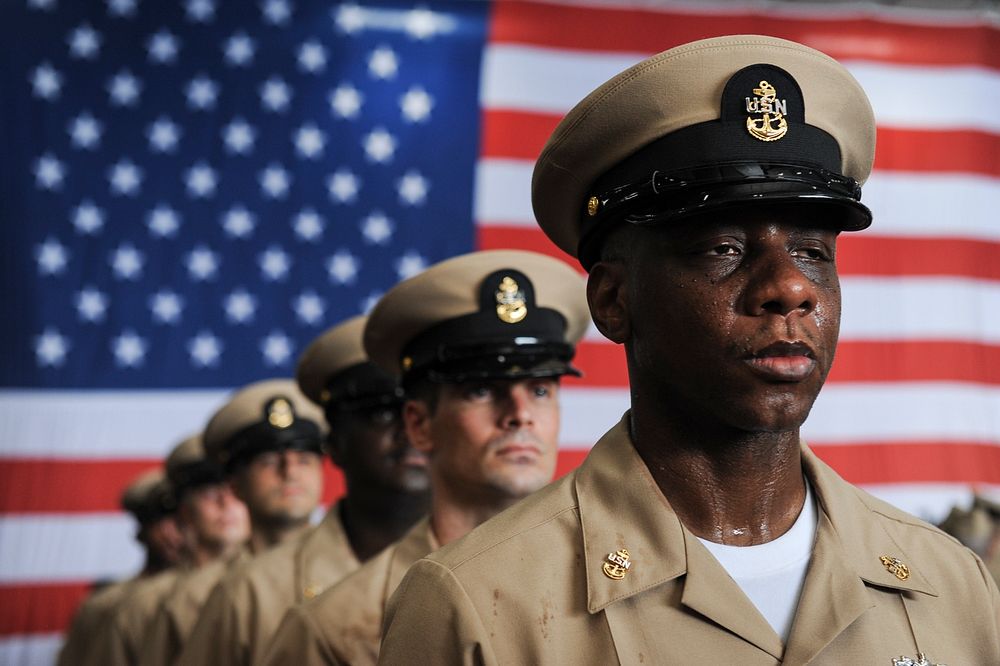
column 358, row 588
column 542, row 519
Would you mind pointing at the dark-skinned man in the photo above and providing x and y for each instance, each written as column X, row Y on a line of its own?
column 703, row 190
column 268, row 439
column 480, row 342
column 147, row 498
column 215, row 525
column 386, row 493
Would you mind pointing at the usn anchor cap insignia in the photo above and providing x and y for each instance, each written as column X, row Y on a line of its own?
column 511, row 304
column 771, row 125
column 895, row 567
column 617, row 564
column 280, row 413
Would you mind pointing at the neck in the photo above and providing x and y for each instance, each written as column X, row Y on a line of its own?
column 726, row 485
column 265, row 534
column 373, row 521
column 451, row 519
column 204, row 553
column 153, row 565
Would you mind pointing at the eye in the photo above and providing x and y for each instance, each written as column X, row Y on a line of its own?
column 544, row 389
column 814, row 252
column 725, row 250
column 478, row 392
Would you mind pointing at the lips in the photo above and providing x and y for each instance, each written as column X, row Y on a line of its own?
column 518, row 451
column 783, row 361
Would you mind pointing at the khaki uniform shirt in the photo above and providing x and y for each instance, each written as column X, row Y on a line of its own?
column 127, row 627
column 529, row 586
column 344, row 624
column 245, row 608
column 176, row 616
column 95, row 610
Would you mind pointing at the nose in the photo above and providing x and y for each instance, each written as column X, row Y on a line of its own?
column 778, row 286
column 517, row 409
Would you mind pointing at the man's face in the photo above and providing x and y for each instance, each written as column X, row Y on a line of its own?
column 371, row 447
column 280, row 488
column 489, row 440
column 732, row 322
column 212, row 516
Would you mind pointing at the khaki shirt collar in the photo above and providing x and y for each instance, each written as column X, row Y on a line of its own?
column 621, row 507
column 417, row 543
column 324, row 556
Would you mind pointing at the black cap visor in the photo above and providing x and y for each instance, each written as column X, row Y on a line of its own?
column 670, row 197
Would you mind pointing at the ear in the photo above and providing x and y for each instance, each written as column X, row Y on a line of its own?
column 607, row 295
column 417, row 422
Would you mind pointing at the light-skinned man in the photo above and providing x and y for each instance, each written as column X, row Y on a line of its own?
column 480, row 342
column 216, row 526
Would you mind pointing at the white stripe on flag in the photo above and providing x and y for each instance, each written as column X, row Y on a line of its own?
column 903, row 204
column 905, row 95
column 901, row 95
column 904, row 412
column 559, row 79
column 35, row 650
column 920, row 308
column 53, row 548
column 101, row 424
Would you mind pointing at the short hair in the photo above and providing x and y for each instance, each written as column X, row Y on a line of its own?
column 617, row 246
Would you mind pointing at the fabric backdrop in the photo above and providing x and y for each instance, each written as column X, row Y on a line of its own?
column 191, row 191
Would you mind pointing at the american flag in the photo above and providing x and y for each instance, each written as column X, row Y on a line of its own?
column 191, row 191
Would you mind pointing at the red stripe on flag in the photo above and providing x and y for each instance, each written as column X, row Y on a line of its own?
column 904, row 462
column 37, row 609
column 936, row 462
column 916, row 361
column 39, row 485
column 957, row 151
column 521, row 135
column 864, row 254
column 602, row 29
column 516, row 134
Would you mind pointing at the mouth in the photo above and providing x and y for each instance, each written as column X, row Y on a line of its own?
column 412, row 458
column 783, row 361
column 518, row 452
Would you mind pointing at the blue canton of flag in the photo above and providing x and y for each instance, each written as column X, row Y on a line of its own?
column 192, row 191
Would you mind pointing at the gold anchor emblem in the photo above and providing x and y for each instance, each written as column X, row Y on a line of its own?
column 895, row 567
column 280, row 414
column 511, row 307
column 772, row 126
column 617, row 564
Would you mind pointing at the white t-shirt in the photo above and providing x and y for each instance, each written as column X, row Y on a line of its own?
column 771, row 574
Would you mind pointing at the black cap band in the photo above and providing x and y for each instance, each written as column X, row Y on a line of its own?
column 508, row 337
column 193, row 475
column 361, row 386
column 263, row 437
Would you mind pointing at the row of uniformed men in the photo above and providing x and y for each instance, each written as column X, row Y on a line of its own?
column 703, row 190
column 479, row 343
